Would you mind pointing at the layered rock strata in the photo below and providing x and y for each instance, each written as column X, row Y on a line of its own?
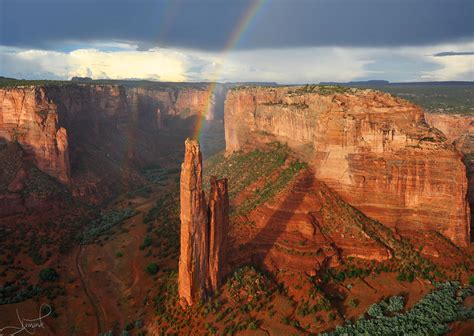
column 375, row 150
column 28, row 117
column 459, row 129
column 454, row 126
column 203, row 229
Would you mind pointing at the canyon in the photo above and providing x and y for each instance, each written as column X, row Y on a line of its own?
column 96, row 139
column 326, row 200
column 375, row 150
column 203, row 229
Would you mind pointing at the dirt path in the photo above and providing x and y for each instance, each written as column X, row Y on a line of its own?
column 98, row 311
column 135, row 270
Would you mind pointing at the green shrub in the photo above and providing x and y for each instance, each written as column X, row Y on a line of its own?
column 375, row 310
column 395, row 304
column 105, row 222
column 48, row 274
column 152, row 268
column 147, row 241
column 354, row 303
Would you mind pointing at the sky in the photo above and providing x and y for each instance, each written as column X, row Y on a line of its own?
column 285, row 41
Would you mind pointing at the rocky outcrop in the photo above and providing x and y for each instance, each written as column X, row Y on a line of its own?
column 203, row 229
column 28, row 117
column 194, row 259
column 218, row 228
column 375, row 150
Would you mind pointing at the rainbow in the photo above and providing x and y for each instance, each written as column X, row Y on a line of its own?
column 232, row 42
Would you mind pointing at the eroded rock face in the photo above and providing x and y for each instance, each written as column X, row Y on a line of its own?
column 459, row 129
column 194, row 258
column 375, row 150
column 183, row 102
column 452, row 125
column 30, row 118
column 218, row 229
column 203, row 229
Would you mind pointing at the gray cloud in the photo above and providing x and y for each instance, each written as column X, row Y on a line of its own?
column 208, row 24
column 453, row 53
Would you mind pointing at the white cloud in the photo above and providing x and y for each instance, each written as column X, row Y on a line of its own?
column 458, row 67
column 296, row 65
column 165, row 65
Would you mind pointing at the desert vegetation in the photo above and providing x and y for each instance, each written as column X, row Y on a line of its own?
column 244, row 168
column 430, row 315
column 105, row 222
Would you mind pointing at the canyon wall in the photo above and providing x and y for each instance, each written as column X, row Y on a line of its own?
column 29, row 118
column 375, row 150
column 454, row 126
column 177, row 102
column 88, row 136
column 203, row 229
column 459, row 129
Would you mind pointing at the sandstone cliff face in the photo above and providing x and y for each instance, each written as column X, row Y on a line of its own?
column 218, row 228
column 375, row 150
column 459, row 129
column 193, row 260
column 203, row 229
column 30, row 118
column 452, row 125
column 193, row 102
column 183, row 103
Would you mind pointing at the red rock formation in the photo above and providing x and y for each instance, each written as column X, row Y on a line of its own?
column 30, row 118
column 182, row 102
column 218, row 228
column 459, row 129
column 375, row 150
column 452, row 125
column 305, row 227
column 194, row 259
column 195, row 102
column 203, row 229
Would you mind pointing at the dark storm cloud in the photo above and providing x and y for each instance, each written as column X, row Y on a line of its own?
column 453, row 53
column 207, row 24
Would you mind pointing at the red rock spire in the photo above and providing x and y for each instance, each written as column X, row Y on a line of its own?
column 218, row 228
column 203, row 229
column 193, row 260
